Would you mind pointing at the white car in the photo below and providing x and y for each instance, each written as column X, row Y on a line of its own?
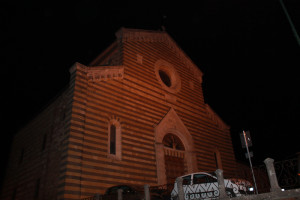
column 202, row 185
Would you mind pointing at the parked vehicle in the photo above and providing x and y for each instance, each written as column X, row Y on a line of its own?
column 130, row 192
column 202, row 185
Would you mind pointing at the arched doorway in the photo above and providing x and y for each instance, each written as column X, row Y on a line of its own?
column 174, row 153
column 174, row 148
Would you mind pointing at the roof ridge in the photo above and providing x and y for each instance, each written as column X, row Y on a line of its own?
column 124, row 29
column 142, row 35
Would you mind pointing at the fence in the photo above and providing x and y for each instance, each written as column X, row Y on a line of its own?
column 286, row 172
column 275, row 176
column 222, row 193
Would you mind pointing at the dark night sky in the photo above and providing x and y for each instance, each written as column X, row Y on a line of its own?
column 245, row 48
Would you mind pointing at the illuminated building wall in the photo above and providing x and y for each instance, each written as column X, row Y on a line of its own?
column 135, row 115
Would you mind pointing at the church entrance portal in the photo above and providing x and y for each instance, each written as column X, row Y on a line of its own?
column 174, row 153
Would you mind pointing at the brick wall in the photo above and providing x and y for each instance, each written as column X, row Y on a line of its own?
column 75, row 161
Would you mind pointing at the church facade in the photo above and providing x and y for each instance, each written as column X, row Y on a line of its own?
column 135, row 115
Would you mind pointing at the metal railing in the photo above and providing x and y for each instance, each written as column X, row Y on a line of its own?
column 287, row 174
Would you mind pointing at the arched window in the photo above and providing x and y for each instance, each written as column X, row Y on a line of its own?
column 114, row 142
column 173, row 142
column 218, row 159
column 112, row 149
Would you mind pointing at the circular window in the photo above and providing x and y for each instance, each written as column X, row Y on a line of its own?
column 167, row 76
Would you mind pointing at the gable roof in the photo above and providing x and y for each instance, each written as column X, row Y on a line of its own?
column 112, row 54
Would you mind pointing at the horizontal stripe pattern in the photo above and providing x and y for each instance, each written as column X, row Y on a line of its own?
column 76, row 163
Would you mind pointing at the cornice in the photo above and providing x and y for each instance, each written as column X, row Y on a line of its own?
column 105, row 73
column 99, row 73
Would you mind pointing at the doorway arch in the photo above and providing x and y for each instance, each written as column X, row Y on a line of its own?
column 174, row 157
column 171, row 125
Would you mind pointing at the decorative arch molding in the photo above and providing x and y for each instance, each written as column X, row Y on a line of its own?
column 172, row 124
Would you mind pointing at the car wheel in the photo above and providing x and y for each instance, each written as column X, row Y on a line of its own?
column 230, row 193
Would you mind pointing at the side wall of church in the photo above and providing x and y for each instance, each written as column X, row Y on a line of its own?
column 35, row 159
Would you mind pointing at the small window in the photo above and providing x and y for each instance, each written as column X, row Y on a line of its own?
column 186, row 180
column 21, row 156
column 218, row 159
column 114, row 142
column 44, row 142
column 14, row 194
column 37, row 189
column 112, row 149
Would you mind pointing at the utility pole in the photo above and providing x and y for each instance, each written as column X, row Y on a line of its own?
column 290, row 22
column 245, row 139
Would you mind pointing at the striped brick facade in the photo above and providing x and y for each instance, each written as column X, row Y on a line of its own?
column 122, row 87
